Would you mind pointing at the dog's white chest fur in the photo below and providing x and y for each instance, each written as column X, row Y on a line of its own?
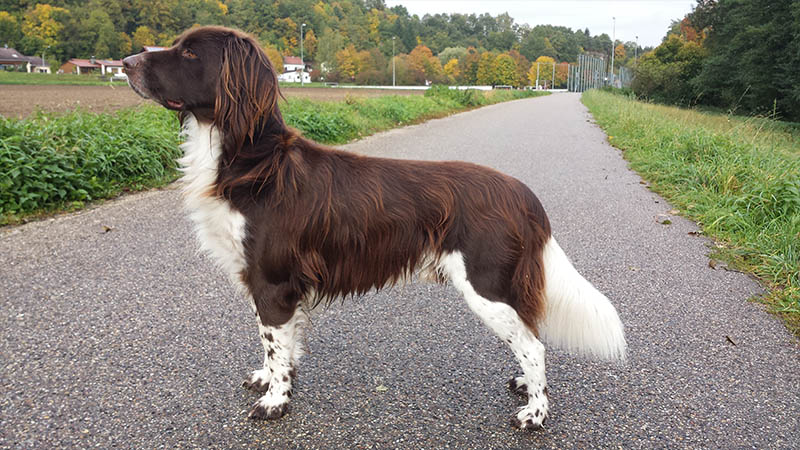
column 220, row 229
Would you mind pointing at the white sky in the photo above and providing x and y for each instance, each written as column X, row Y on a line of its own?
column 649, row 19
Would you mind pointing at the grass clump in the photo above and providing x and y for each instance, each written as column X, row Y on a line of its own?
column 60, row 162
column 738, row 177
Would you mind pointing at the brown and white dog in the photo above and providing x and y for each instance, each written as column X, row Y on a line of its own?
column 294, row 223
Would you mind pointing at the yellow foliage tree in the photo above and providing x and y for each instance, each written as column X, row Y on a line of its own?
column 275, row 58
column 310, row 42
column 451, row 70
column 288, row 34
column 143, row 36
column 40, row 24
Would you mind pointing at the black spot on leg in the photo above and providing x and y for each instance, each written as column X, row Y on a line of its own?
column 287, row 393
column 269, row 337
column 285, row 378
column 536, row 414
column 270, row 353
column 292, row 372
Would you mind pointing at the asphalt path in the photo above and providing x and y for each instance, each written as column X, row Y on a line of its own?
column 115, row 332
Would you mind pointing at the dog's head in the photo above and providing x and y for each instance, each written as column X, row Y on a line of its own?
column 219, row 74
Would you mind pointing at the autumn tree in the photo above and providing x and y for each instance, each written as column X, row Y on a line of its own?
column 143, row 36
column 451, row 70
column 41, row 27
column 542, row 70
column 504, row 70
column 10, row 31
column 287, row 35
column 485, row 72
column 310, row 42
column 275, row 58
column 423, row 65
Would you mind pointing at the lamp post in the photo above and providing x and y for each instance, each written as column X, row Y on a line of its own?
column 393, row 78
column 303, row 64
column 613, row 47
column 44, row 63
column 636, row 51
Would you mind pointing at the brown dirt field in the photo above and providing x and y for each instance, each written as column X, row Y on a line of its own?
column 22, row 100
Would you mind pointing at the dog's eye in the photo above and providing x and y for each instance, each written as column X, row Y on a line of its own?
column 188, row 54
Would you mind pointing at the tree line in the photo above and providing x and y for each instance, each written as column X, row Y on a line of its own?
column 740, row 55
column 348, row 40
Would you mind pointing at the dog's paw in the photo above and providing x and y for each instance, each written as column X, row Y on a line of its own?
column 530, row 418
column 267, row 408
column 258, row 380
column 517, row 385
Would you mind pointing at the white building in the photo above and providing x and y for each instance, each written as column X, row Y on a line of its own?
column 294, row 77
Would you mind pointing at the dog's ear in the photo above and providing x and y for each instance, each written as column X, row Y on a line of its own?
column 247, row 93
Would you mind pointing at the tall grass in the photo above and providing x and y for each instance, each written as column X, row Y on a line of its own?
column 738, row 177
column 54, row 162
column 49, row 161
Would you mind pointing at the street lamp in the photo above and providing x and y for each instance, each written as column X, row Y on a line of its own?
column 303, row 64
column 393, row 78
column 636, row 51
column 44, row 63
column 613, row 49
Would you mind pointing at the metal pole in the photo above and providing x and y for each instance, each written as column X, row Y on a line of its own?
column 303, row 69
column 553, row 82
column 613, row 48
column 636, row 51
column 537, row 76
column 393, row 79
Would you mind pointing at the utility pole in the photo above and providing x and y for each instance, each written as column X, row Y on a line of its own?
column 613, row 48
column 393, row 77
column 303, row 70
column 553, row 82
column 636, row 51
column 537, row 76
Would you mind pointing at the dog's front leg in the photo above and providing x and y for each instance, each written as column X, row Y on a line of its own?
column 280, row 326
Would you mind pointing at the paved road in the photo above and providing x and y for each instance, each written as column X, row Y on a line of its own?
column 127, row 338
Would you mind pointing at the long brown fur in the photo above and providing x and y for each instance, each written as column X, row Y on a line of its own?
column 325, row 224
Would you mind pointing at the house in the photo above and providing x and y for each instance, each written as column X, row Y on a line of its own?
column 292, row 63
column 79, row 66
column 82, row 66
column 37, row 65
column 110, row 66
column 294, row 77
column 10, row 58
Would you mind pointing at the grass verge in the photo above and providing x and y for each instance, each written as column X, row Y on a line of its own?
column 739, row 178
column 58, row 78
column 55, row 162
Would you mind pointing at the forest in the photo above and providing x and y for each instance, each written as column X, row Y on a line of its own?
column 352, row 40
column 742, row 56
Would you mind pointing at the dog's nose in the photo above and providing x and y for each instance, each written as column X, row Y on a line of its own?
column 131, row 61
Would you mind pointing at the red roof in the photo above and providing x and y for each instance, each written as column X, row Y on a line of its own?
column 110, row 62
column 292, row 60
column 83, row 63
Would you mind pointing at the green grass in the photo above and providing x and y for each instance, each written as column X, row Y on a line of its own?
column 54, row 162
column 739, row 178
column 63, row 78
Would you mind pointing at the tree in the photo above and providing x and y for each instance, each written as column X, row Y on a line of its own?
column 666, row 73
column 451, row 70
column 504, row 70
column 275, row 58
column 542, row 70
column 310, row 44
column 423, row 65
column 143, row 36
column 619, row 54
column 41, row 27
column 485, row 72
column 10, row 31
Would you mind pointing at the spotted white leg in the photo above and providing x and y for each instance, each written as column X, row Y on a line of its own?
column 283, row 348
column 506, row 324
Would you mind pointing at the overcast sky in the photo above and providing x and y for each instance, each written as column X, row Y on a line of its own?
column 648, row 19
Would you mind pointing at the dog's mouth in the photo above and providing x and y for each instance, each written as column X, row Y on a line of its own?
column 174, row 104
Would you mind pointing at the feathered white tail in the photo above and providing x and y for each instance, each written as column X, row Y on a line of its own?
column 578, row 318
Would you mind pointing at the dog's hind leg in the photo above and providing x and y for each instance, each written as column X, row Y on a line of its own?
column 280, row 326
column 504, row 321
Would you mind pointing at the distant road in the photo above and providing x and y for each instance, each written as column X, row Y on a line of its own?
column 114, row 332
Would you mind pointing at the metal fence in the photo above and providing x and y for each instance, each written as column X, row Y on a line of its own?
column 592, row 72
